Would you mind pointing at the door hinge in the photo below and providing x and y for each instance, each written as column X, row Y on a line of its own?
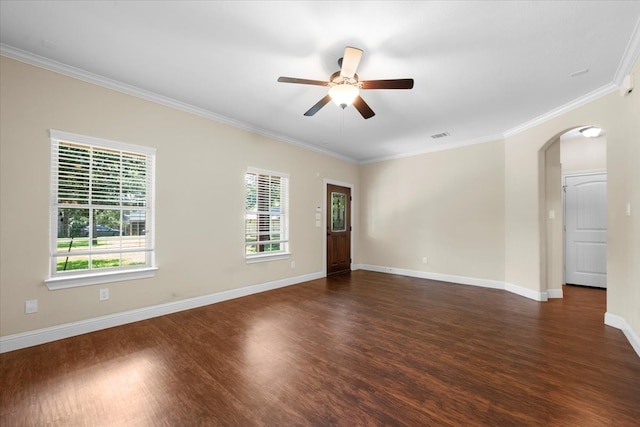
column 350, row 228
column 351, row 198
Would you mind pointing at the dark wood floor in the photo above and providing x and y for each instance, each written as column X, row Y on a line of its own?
column 365, row 349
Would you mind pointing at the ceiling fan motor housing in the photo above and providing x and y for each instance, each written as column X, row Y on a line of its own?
column 336, row 79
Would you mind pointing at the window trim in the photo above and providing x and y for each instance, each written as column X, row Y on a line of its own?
column 270, row 256
column 77, row 278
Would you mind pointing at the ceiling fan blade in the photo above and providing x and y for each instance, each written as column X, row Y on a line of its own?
column 388, row 84
column 302, row 81
column 350, row 62
column 363, row 107
column 318, row 106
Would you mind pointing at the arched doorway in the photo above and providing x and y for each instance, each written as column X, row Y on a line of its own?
column 571, row 158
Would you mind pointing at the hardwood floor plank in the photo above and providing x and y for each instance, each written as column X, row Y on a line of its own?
column 365, row 349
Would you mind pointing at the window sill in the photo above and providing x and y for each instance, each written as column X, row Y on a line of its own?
column 98, row 278
column 268, row 257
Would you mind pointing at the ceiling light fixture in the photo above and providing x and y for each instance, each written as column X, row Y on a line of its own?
column 591, row 132
column 344, row 85
column 343, row 94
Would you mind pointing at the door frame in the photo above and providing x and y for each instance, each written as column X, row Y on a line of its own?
column 324, row 221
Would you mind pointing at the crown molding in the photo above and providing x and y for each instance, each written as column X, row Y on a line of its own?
column 578, row 102
column 89, row 77
column 632, row 51
column 630, row 56
column 435, row 148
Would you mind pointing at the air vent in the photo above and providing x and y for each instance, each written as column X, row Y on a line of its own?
column 440, row 135
column 579, row 73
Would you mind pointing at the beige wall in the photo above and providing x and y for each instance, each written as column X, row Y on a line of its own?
column 478, row 211
column 581, row 154
column 553, row 218
column 443, row 206
column 200, row 197
column 525, row 232
column 446, row 206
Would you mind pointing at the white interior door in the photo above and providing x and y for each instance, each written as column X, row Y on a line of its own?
column 586, row 229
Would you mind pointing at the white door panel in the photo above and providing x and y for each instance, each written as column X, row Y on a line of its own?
column 586, row 230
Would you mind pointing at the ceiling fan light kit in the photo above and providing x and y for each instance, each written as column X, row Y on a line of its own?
column 343, row 94
column 344, row 86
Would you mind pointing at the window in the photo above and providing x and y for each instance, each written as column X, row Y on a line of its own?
column 267, row 215
column 101, row 211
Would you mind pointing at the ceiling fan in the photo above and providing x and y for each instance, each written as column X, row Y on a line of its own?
column 344, row 85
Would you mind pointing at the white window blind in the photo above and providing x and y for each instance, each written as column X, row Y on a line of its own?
column 267, row 214
column 102, row 206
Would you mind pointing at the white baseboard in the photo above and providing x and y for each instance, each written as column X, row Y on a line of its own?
column 526, row 292
column 609, row 319
column 463, row 280
column 620, row 323
column 45, row 335
column 555, row 293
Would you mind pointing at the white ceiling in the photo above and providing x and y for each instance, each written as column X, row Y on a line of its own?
column 482, row 69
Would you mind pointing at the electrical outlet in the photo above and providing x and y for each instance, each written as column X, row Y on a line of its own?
column 293, row 264
column 424, row 260
column 31, row 306
column 104, row 294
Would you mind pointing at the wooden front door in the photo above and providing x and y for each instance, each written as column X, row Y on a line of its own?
column 338, row 210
